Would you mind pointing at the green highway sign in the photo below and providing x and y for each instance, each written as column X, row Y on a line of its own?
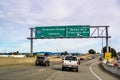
column 49, row 32
column 62, row 31
column 78, row 31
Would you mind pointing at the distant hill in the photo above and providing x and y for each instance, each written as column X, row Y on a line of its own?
column 50, row 53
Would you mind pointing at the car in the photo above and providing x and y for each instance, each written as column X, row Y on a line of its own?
column 100, row 59
column 42, row 60
column 70, row 62
column 118, row 60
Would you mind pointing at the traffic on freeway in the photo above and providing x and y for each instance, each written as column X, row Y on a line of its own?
column 59, row 40
column 88, row 69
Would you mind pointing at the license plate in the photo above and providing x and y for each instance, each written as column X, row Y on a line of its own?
column 69, row 66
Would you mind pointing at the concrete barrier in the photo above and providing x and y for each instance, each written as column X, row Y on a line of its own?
column 111, row 68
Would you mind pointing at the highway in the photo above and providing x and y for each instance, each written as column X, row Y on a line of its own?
column 88, row 70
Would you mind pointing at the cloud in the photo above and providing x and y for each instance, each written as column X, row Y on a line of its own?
column 17, row 16
column 60, row 11
column 70, row 45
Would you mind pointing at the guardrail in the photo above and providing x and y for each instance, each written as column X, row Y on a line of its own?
column 111, row 68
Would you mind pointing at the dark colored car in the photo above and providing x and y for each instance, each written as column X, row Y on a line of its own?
column 100, row 59
column 42, row 60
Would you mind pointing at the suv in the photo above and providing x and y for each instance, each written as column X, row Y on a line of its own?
column 70, row 62
column 42, row 60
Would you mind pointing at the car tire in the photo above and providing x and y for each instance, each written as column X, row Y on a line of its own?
column 45, row 64
column 76, row 70
column 63, row 68
column 48, row 64
column 36, row 64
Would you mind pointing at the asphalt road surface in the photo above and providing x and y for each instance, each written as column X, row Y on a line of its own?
column 88, row 70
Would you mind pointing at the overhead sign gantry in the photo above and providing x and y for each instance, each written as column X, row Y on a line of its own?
column 68, row 31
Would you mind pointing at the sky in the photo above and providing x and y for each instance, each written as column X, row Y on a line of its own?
column 17, row 16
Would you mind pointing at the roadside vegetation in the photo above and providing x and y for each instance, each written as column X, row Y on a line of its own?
column 91, row 51
column 111, row 50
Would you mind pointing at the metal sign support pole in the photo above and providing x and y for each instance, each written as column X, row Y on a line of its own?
column 31, row 41
column 107, row 39
column 95, row 34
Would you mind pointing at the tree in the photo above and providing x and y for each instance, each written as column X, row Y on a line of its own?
column 65, row 53
column 104, row 50
column 111, row 50
column 17, row 52
column 14, row 53
column 118, row 53
column 91, row 51
column 113, row 53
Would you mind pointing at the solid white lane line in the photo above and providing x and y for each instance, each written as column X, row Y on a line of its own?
column 94, row 72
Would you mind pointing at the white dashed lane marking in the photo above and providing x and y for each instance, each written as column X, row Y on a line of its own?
column 41, row 70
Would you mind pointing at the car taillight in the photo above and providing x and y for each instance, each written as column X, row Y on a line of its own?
column 78, row 62
column 62, row 61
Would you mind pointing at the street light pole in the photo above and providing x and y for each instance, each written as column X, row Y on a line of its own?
column 102, row 46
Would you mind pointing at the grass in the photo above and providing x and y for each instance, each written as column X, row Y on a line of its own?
column 28, row 60
column 9, row 60
column 12, row 61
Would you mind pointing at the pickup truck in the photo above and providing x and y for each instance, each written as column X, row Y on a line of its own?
column 70, row 62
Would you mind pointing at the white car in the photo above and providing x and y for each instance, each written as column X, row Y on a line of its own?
column 70, row 62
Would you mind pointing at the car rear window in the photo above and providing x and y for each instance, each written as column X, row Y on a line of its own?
column 41, row 58
column 71, row 58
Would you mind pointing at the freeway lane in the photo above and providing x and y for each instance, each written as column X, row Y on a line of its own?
column 102, row 73
column 27, row 72
column 54, row 73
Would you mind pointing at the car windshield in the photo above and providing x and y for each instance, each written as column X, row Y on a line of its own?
column 71, row 58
